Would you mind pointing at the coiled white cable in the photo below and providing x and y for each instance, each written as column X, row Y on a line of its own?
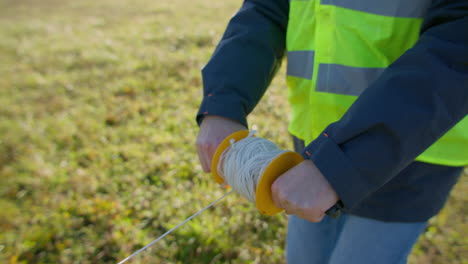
column 243, row 162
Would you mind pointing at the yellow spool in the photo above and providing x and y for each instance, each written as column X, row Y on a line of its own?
column 276, row 168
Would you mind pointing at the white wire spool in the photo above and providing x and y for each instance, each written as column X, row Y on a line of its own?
column 250, row 165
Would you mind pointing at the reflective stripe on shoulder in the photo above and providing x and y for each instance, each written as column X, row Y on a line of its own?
column 391, row 8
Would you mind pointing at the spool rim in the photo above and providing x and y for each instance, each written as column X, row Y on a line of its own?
column 278, row 166
column 238, row 135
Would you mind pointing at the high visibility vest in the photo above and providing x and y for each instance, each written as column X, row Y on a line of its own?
column 336, row 48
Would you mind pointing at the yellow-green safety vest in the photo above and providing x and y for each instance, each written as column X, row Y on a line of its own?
column 336, row 48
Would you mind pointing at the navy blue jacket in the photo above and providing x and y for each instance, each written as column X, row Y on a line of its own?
column 368, row 156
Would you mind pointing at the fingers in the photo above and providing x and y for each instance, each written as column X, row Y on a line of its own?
column 275, row 193
column 287, row 197
column 280, row 198
column 206, row 151
column 304, row 213
column 213, row 130
column 202, row 158
column 314, row 218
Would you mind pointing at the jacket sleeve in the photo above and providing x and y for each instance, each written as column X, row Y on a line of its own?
column 416, row 100
column 245, row 60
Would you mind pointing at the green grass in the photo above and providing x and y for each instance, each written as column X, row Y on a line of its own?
column 97, row 131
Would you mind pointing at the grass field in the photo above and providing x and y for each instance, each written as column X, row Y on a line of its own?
column 97, row 132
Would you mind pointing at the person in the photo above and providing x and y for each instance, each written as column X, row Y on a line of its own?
column 379, row 95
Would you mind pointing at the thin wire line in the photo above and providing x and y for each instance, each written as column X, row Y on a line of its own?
column 174, row 228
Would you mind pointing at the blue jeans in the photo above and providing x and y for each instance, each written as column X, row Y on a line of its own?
column 350, row 239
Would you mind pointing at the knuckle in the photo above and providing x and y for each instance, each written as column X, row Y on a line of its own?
column 312, row 218
column 211, row 148
column 317, row 218
column 275, row 188
column 200, row 143
column 320, row 218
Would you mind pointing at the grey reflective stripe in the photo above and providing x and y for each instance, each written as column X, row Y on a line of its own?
column 346, row 80
column 300, row 64
column 393, row 8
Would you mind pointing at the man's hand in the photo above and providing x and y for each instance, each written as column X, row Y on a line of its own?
column 213, row 130
column 304, row 191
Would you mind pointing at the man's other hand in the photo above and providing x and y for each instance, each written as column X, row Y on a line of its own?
column 213, row 130
column 304, row 191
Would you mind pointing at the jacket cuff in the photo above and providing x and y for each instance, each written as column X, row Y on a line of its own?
column 338, row 169
column 222, row 105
